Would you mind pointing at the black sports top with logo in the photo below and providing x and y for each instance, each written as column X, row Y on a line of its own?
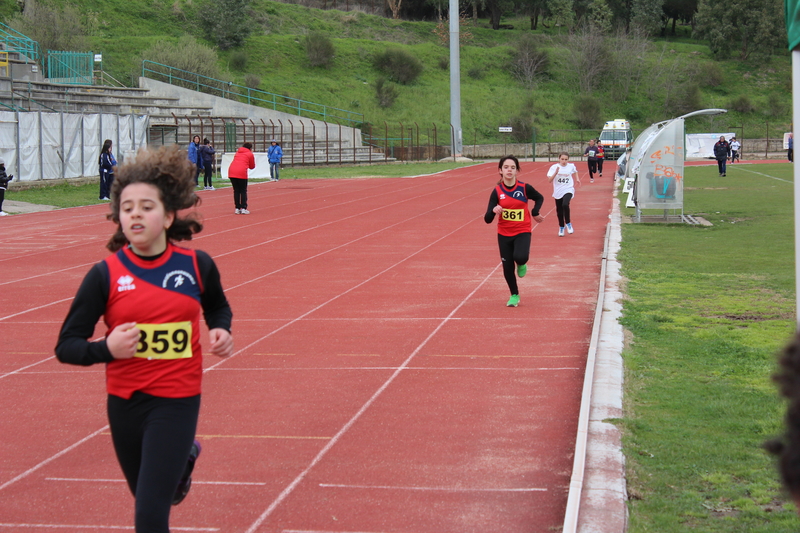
column 164, row 296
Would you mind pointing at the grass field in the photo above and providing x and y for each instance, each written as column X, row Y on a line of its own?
column 706, row 310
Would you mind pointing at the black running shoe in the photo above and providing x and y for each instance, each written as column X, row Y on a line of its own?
column 186, row 480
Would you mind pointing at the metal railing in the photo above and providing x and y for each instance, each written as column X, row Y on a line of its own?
column 71, row 68
column 14, row 40
column 240, row 93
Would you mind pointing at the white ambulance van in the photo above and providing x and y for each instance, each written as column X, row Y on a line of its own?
column 616, row 137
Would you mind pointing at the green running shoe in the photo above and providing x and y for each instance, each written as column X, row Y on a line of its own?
column 513, row 301
column 522, row 270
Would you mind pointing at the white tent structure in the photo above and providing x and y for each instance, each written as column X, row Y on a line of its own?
column 656, row 165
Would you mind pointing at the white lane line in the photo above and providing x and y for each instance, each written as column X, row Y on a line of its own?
column 456, row 368
column 760, row 174
column 82, row 527
column 322, row 453
column 35, row 308
column 52, row 458
column 432, row 489
column 20, row 370
column 194, row 481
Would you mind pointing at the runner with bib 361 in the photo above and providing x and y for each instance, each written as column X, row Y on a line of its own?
column 509, row 200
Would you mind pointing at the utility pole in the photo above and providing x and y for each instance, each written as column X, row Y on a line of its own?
column 455, row 81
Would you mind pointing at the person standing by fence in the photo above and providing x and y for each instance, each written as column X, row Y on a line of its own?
column 107, row 167
column 243, row 161
column 196, row 158
column 275, row 154
column 207, row 154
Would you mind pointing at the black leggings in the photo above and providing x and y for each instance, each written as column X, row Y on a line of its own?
column 153, row 438
column 207, row 182
column 600, row 165
column 239, row 192
column 514, row 251
column 592, row 168
column 562, row 209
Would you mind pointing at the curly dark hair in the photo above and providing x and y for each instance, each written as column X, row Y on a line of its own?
column 787, row 447
column 170, row 171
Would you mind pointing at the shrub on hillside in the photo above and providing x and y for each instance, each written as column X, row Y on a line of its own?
column 775, row 107
column 521, row 128
column 685, row 99
column 252, row 81
column 476, row 72
column 713, row 75
column 226, row 22
column 54, row 28
column 187, row 54
column 319, row 49
column 238, row 59
column 528, row 62
column 385, row 92
column 587, row 112
column 742, row 104
column 399, row 65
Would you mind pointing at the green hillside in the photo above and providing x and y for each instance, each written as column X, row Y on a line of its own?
column 671, row 77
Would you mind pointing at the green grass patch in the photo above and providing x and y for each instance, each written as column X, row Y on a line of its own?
column 708, row 308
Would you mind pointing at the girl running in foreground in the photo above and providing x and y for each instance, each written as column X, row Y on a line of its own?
column 564, row 173
column 509, row 199
column 150, row 294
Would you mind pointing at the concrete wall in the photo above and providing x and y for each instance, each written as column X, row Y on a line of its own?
column 223, row 107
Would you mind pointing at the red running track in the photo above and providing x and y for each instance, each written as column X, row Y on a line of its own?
column 379, row 383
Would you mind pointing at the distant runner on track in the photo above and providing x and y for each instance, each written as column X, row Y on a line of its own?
column 509, row 200
column 563, row 176
column 150, row 294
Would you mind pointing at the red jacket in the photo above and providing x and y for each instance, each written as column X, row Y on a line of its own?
column 242, row 161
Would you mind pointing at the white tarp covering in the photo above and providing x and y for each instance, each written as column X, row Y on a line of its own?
column 260, row 172
column 659, row 181
column 44, row 146
column 701, row 145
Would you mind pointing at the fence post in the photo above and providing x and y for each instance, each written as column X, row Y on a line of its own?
column 435, row 141
column 386, row 142
column 766, row 145
column 402, row 141
column 291, row 136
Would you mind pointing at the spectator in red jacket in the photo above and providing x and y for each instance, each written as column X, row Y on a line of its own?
column 243, row 161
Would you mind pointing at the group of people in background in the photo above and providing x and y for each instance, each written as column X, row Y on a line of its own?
column 202, row 156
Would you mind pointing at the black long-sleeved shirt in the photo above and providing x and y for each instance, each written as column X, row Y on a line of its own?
column 90, row 304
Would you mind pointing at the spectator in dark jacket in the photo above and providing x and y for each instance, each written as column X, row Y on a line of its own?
column 107, row 167
column 721, row 152
column 195, row 157
column 207, row 154
column 3, row 185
